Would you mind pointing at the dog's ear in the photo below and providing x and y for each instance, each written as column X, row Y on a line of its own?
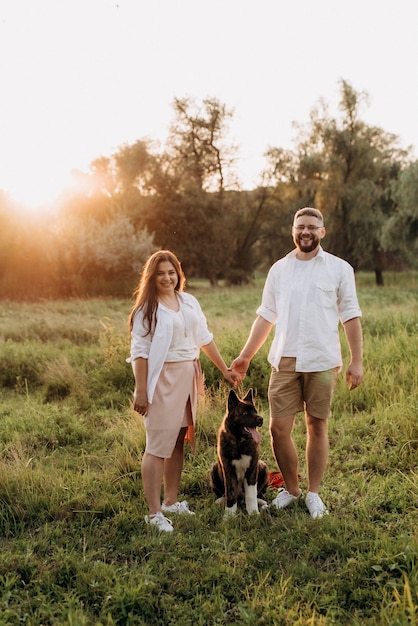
column 232, row 400
column 249, row 396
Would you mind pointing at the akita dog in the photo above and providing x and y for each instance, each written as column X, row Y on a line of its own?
column 239, row 472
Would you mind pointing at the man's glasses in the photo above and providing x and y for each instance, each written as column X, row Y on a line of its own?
column 299, row 229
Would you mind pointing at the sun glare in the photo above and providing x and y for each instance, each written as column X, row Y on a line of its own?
column 34, row 193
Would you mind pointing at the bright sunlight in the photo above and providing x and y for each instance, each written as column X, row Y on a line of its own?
column 34, row 200
column 36, row 189
column 78, row 78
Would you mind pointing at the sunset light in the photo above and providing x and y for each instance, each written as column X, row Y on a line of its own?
column 36, row 191
column 81, row 78
column 204, row 204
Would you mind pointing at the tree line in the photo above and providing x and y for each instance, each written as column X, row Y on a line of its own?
column 186, row 197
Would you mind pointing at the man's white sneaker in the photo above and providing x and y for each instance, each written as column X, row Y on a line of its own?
column 180, row 508
column 160, row 521
column 315, row 505
column 284, row 499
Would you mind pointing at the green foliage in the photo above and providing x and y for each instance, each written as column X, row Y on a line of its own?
column 74, row 256
column 111, row 247
column 20, row 365
column 400, row 233
column 74, row 548
column 187, row 198
column 348, row 170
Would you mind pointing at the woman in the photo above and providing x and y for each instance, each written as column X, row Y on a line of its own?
column 168, row 329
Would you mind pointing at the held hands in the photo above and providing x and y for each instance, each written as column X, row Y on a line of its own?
column 240, row 365
column 234, row 378
column 239, row 368
column 354, row 374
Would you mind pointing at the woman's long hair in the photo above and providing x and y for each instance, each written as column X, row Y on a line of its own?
column 146, row 291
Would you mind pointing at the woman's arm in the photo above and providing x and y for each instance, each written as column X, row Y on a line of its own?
column 140, row 369
column 211, row 351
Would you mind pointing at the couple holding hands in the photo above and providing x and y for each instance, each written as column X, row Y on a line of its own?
column 306, row 295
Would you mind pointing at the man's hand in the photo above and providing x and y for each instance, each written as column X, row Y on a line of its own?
column 354, row 376
column 240, row 365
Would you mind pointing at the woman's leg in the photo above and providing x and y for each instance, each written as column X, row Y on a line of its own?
column 152, row 469
column 172, row 470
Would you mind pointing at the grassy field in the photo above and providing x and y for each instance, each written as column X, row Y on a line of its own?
column 74, row 547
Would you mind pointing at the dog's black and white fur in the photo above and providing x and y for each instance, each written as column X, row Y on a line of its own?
column 239, row 472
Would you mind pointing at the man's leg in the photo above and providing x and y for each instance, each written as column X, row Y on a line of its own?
column 285, row 452
column 316, row 450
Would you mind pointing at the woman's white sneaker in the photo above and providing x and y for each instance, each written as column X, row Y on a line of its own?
column 160, row 521
column 179, row 508
column 315, row 506
column 284, row 499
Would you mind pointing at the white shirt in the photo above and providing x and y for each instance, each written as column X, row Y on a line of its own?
column 155, row 346
column 298, row 287
column 182, row 346
column 327, row 297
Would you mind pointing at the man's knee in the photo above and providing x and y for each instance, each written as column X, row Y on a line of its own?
column 281, row 426
column 316, row 425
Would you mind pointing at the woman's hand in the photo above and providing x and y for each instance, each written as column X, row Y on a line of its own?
column 140, row 402
column 233, row 377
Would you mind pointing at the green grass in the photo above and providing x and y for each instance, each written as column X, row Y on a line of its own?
column 74, row 547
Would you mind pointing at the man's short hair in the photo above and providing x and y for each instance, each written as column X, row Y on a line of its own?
column 307, row 210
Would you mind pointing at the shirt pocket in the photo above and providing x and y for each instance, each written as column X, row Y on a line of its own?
column 325, row 295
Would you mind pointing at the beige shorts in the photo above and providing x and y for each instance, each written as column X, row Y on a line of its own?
column 290, row 392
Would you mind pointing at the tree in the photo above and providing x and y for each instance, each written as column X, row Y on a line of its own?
column 292, row 179
column 115, row 185
column 354, row 165
column 400, row 233
column 101, row 257
column 197, row 143
column 188, row 211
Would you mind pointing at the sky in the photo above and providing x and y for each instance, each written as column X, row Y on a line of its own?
column 81, row 78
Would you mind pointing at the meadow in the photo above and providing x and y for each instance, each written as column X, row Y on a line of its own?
column 74, row 547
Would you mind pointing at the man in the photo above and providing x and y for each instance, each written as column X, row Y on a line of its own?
column 305, row 295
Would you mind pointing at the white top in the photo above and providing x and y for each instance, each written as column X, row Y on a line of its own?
column 298, row 287
column 182, row 346
column 155, row 346
column 325, row 295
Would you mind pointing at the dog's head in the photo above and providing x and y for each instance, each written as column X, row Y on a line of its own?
column 242, row 418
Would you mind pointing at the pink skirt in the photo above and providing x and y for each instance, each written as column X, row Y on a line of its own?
column 170, row 408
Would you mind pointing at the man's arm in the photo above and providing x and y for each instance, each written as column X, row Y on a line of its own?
column 258, row 334
column 354, row 336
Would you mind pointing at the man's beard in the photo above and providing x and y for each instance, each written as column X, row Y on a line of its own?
column 307, row 245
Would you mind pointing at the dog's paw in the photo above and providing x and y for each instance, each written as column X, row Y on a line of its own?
column 230, row 511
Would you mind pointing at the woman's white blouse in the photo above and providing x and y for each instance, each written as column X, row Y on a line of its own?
column 156, row 346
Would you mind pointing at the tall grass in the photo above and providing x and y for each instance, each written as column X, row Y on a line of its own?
column 74, row 546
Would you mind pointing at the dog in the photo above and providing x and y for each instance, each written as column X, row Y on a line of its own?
column 239, row 472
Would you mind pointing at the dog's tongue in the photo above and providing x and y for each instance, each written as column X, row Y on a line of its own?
column 255, row 434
